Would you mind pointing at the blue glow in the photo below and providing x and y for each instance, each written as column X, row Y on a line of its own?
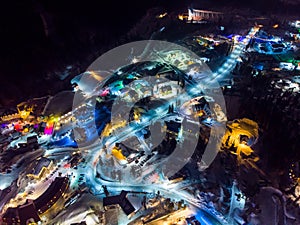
column 206, row 218
column 65, row 142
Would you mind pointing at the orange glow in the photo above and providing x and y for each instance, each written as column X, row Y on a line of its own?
column 162, row 15
column 25, row 113
column 95, row 76
column 117, row 153
column 200, row 113
column 276, row 26
column 180, row 17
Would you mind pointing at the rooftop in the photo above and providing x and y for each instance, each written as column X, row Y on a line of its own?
column 39, row 165
column 53, row 189
column 121, row 200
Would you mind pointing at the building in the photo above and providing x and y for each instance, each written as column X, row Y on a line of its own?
column 13, row 116
column 166, row 90
column 21, row 215
column 196, row 107
column 56, row 190
column 240, row 135
column 120, row 200
column 240, row 131
column 24, row 111
column 30, row 211
column 111, row 214
column 40, row 167
column 196, row 15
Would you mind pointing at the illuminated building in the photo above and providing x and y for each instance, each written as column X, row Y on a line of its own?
column 266, row 44
column 160, row 16
column 173, row 127
column 240, row 135
column 166, row 90
column 196, row 107
column 49, row 128
column 110, row 127
column 196, row 15
column 163, row 211
column 182, row 17
column 295, row 23
column 56, row 190
column 22, row 215
column 221, row 117
column 241, row 131
column 10, row 117
column 24, row 110
column 175, row 217
column 29, row 212
column 117, row 153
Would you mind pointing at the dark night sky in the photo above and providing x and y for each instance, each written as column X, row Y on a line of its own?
column 75, row 28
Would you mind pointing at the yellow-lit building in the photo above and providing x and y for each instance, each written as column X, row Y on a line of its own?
column 110, row 127
column 33, row 210
column 54, row 192
column 117, row 153
column 24, row 110
column 241, row 131
column 176, row 217
column 240, row 135
column 10, row 117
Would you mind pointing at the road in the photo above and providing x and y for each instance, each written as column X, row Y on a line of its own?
column 93, row 152
column 169, row 190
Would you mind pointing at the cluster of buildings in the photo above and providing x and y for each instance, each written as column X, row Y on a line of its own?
column 32, row 211
column 174, row 126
